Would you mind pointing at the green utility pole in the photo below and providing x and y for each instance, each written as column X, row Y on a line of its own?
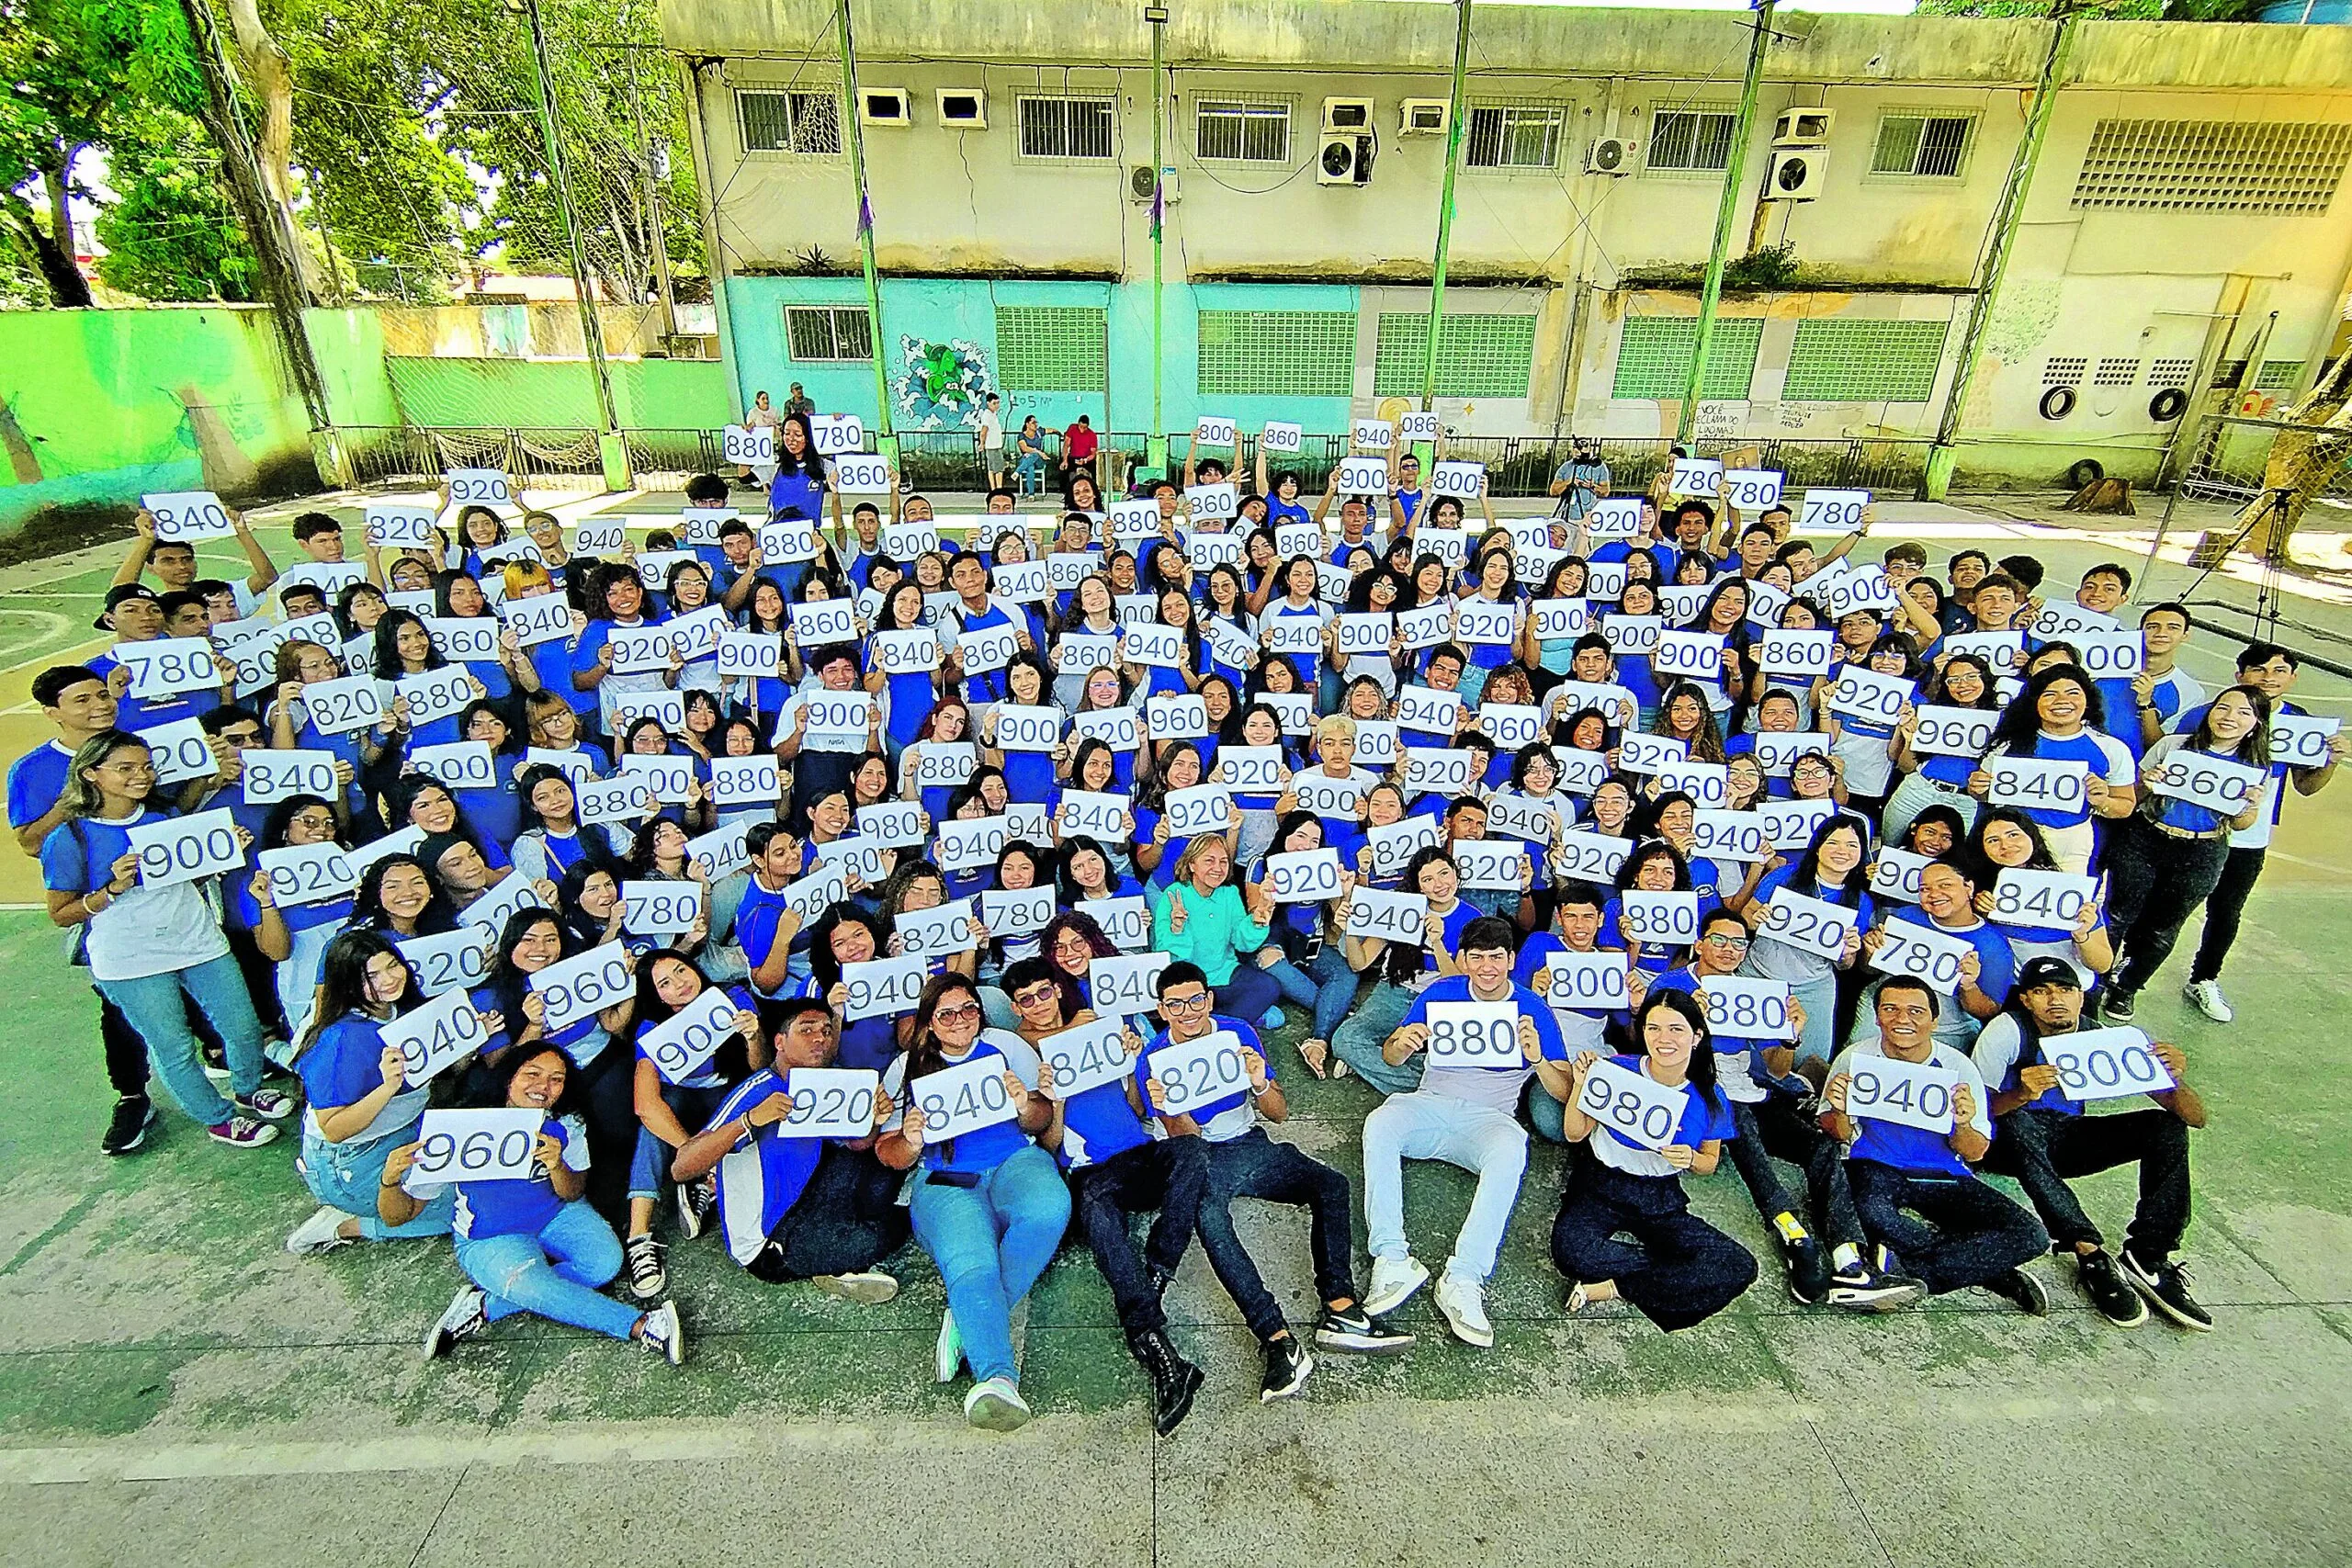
column 1944, row 454
column 611, row 447
column 1155, row 450
column 1735, row 179
column 884, row 441
column 1445, row 203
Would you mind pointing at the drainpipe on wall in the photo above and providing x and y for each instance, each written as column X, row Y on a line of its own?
column 1445, row 206
column 885, row 440
column 1734, row 179
column 1942, row 456
column 1156, row 451
column 728, row 358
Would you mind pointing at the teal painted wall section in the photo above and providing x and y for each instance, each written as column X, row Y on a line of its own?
column 955, row 320
column 651, row 394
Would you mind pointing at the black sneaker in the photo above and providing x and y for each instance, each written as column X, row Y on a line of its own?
column 1287, row 1364
column 1861, row 1288
column 2022, row 1290
column 2166, row 1287
column 2117, row 1007
column 647, row 1278
column 1357, row 1329
column 127, row 1129
column 2116, row 1302
column 1808, row 1271
column 467, row 1315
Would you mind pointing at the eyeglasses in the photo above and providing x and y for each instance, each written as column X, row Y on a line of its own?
column 962, row 1012
column 1036, row 996
column 1728, row 940
column 1186, row 1004
column 311, row 820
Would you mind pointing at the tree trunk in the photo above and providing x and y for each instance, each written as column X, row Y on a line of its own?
column 2301, row 462
column 270, row 75
column 68, row 290
column 281, row 279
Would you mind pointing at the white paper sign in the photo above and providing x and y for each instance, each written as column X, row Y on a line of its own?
column 1391, row 917
column 1809, row 925
column 1461, row 481
column 1474, row 1034
column 2218, row 783
column 1086, row 1057
column 1831, row 511
column 2105, row 1064
column 1911, row 948
column 2039, row 898
column 659, row 909
column 1303, row 876
column 308, row 874
column 679, row 1045
column 825, row 622
column 167, row 665
column 1126, row 921
column 187, row 515
column 937, row 931
column 457, row 959
column 183, row 849
column 1361, row 476
column 1751, row 489
column 836, row 432
column 272, row 776
column 1192, row 1074
column 1669, row 920
column 2031, row 782
column 883, row 987
column 1588, row 982
column 964, row 1099
column 1913, row 1094
column 1126, row 986
column 1741, row 1009
column 444, row 1031
column 1630, row 1105
column 1202, row 808
column 474, row 1145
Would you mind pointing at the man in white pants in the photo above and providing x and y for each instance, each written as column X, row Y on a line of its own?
column 1461, row 1113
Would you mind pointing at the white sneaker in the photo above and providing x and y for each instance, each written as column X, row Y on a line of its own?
column 319, row 1232
column 2205, row 997
column 1463, row 1303
column 871, row 1288
column 664, row 1335
column 996, row 1405
column 1393, row 1280
column 948, row 1356
column 465, row 1315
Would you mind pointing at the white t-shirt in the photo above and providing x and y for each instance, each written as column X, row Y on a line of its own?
column 991, row 431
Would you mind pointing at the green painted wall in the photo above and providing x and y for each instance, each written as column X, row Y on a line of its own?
column 99, row 406
column 651, row 394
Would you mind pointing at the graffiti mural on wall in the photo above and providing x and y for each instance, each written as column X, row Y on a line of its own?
column 940, row 386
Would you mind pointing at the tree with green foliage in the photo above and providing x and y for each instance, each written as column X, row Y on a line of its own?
column 170, row 234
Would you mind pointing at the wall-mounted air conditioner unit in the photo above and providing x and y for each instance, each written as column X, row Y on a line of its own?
column 1797, row 174
column 1347, row 113
column 1610, row 155
column 1423, row 116
column 1803, row 127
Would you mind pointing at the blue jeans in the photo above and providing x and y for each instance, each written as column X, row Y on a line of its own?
column 154, row 1009
column 990, row 1243
column 346, row 1175
column 1327, row 986
column 1251, row 993
column 650, row 1163
column 555, row 1273
column 1358, row 1040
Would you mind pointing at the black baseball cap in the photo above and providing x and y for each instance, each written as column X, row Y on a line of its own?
column 123, row 593
column 2048, row 971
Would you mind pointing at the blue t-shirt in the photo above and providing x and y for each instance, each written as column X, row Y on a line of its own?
column 35, row 781
column 486, row 1209
column 1219, row 1119
column 1701, row 1120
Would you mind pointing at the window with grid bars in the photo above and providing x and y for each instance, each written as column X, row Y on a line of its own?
column 1242, row 131
column 2168, row 373
column 1052, row 348
column 2278, row 374
column 790, row 121
column 1477, row 357
column 827, row 332
column 1864, row 362
column 2203, row 165
column 2115, row 373
column 1065, row 128
column 1305, row 353
column 1654, row 357
column 1925, row 146
column 2064, row 372
column 1515, row 135
column 1691, row 139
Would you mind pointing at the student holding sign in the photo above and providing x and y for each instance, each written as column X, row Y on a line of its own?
column 2045, row 1137
column 1462, row 1113
column 130, row 875
column 1308, row 957
column 531, row 1244
column 2057, row 719
column 362, row 1104
column 2167, row 857
column 1913, row 1141
column 1199, row 917
column 1940, row 776
column 987, row 1202
column 2006, row 839
column 1646, row 1117
column 1402, row 971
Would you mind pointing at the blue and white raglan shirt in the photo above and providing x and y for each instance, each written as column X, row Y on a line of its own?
column 983, row 1149
column 37, row 781
column 760, row 1178
column 2107, row 758
column 1220, row 1121
column 1497, row 1089
column 2002, row 1049
column 1581, row 1030
column 1740, row 1060
column 1100, row 1125
column 1997, row 972
column 1914, row 1151
column 2274, row 799
column 1702, row 1121
column 487, row 1208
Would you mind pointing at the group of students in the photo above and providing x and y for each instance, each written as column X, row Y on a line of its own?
column 977, row 907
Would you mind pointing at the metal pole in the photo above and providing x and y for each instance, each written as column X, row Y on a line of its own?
column 714, row 246
column 1445, row 201
column 1735, row 179
column 1156, row 449
column 543, row 88
column 661, row 235
column 1943, row 454
column 885, row 440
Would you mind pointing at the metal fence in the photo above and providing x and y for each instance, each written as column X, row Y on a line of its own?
column 1518, row 466
column 2228, row 457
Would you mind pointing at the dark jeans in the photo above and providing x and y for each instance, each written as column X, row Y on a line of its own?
column 607, row 1103
column 1678, row 1270
column 2224, row 909
column 2042, row 1147
column 1254, row 1165
column 1957, row 1230
column 1167, row 1175
column 846, row 1220
column 126, row 1053
column 1249, row 992
column 1773, row 1128
column 2155, row 884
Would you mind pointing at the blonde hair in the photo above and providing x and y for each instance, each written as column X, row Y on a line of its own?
column 1334, row 726
column 1193, row 851
column 522, row 574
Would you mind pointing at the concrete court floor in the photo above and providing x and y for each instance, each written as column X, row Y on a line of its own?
column 178, row 1389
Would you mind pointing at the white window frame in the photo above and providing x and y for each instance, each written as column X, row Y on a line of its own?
column 1110, row 104
column 1967, row 146
column 1686, row 171
column 1244, row 108
column 1554, row 116
column 788, row 92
